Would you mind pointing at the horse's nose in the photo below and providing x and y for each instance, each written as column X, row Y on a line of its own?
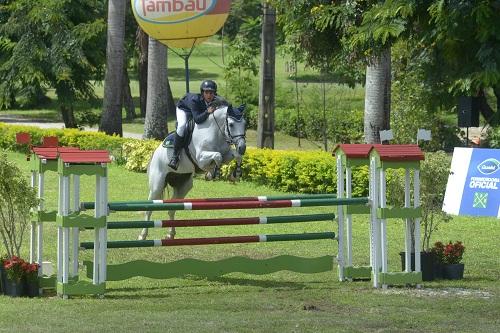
column 242, row 147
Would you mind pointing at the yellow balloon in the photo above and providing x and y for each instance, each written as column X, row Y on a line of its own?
column 181, row 23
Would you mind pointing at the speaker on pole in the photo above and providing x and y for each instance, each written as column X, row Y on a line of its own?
column 468, row 111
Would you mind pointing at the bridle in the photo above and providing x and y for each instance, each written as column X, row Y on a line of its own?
column 230, row 139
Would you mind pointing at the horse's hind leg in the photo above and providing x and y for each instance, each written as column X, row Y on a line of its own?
column 179, row 192
column 156, row 191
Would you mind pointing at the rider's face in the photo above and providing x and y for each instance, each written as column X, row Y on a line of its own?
column 208, row 95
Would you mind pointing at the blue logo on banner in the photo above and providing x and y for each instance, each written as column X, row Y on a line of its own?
column 489, row 166
column 481, row 196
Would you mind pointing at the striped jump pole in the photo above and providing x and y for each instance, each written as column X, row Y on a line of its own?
column 214, row 240
column 221, row 221
column 90, row 205
column 237, row 204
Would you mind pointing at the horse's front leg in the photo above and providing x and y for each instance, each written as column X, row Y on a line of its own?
column 205, row 158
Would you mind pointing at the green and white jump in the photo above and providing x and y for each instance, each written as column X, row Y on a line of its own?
column 71, row 219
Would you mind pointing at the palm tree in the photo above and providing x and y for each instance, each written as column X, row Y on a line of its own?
column 111, row 121
column 377, row 96
column 155, row 124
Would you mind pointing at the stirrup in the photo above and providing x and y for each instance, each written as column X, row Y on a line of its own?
column 174, row 162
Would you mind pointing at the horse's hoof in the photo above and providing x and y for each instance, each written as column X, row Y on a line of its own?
column 170, row 236
column 142, row 237
column 209, row 176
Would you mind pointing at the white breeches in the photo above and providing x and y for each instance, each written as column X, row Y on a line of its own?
column 182, row 118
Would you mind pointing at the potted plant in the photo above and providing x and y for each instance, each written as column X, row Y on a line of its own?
column 449, row 257
column 31, row 285
column 14, row 274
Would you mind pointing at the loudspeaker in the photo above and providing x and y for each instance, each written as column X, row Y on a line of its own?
column 468, row 111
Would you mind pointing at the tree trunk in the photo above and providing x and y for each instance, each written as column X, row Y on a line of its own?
column 128, row 101
column 489, row 115
column 142, row 40
column 155, row 124
column 377, row 96
column 68, row 116
column 265, row 125
column 111, row 120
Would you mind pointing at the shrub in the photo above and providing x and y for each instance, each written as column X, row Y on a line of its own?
column 493, row 137
column 17, row 198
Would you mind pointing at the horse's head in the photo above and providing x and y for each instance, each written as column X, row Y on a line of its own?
column 236, row 128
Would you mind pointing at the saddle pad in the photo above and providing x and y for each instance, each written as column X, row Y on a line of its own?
column 169, row 140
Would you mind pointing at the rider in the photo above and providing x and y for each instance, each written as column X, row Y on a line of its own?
column 199, row 106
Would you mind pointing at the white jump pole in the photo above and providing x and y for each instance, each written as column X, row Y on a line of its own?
column 65, row 231
column 33, row 223
column 75, row 230
column 408, row 223
column 39, row 241
column 416, row 203
column 97, row 214
column 103, row 231
column 59, row 231
column 374, row 225
column 383, row 225
column 340, row 219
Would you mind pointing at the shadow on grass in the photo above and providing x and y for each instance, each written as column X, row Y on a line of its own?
column 148, row 292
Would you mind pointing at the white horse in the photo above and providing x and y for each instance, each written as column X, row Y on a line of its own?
column 210, row 148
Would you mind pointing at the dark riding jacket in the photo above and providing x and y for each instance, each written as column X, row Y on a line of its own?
column 196, row 106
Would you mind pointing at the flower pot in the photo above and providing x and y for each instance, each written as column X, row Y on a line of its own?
column 14, row 288
column 2, row 278
column 427, row 260
column 453, row 271
column 32, row 288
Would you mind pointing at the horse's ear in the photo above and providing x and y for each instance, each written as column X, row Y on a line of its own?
column 242, row 108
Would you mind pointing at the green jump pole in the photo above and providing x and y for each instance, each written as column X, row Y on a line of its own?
column 214, row 240
column 90, row 205
column 221, row 221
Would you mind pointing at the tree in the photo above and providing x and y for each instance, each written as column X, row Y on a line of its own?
column 17, row 198
column 265, row 125
column 51, row 43
column 155, row 124
column 111, row 120
column 142, row 40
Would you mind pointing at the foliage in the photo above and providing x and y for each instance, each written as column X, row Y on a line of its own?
column 138, row 153
column 316, row 33
column 52, row 43
column 493, row 136
column 450, row 253
column 416, row 103
column 17, row 198
column 241, row 18
column 241, row 70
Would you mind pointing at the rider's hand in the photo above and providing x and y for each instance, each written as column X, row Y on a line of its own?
column 210, row 109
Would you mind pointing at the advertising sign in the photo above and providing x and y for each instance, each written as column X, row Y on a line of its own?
column 474, row 183
column 181, row 23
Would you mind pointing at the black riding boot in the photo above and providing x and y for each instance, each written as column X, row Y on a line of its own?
column 178, row 144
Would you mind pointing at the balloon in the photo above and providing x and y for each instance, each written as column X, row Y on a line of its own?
column 181, row 23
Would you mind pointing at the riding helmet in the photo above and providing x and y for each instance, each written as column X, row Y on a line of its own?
column 208, row 85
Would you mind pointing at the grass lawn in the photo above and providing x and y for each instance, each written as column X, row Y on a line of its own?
column 277, row 302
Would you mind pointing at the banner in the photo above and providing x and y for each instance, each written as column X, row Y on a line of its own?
column 474, row 183
column 181, row 23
